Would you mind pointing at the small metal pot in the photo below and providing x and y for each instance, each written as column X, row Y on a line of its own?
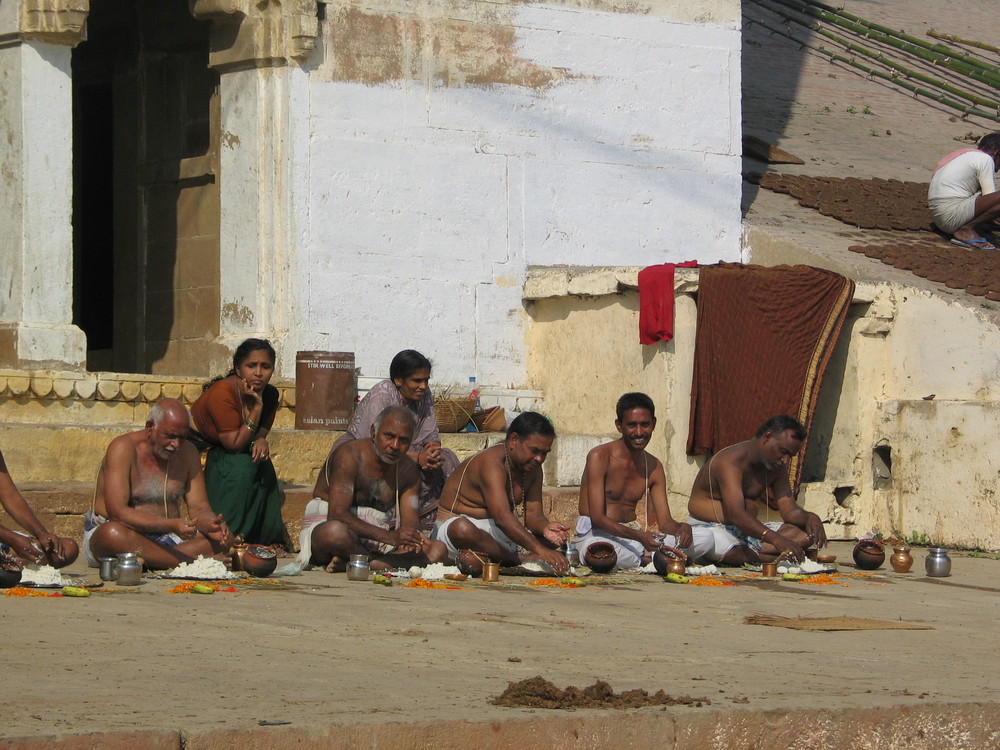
column 109, row 568
column 129, row 569
column 769, row 570
column 938, row 563
column 358, row 568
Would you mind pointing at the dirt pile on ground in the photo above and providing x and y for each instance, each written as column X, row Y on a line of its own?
column 867, row 204
column 537, row 692
column 975, row 271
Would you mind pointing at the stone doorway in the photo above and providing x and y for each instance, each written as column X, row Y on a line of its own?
column 146, row 198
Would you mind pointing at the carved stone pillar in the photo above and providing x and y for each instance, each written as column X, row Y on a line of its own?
column 255, row 45
column 36, row 158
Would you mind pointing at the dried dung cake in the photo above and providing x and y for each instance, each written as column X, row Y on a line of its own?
column 868, row 204
column 537, row 692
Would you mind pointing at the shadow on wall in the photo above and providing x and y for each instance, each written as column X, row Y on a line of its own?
column 817, row 458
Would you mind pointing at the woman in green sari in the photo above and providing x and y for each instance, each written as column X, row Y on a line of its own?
column 233, row 416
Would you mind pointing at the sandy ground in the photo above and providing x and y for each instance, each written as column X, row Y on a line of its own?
column 845, row 125
column 330, row 651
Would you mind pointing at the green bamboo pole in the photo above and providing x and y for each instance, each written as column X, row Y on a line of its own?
column 989, row 78
column 881, row 58
column 959, row 40
column 939, row 48
column 918, row 91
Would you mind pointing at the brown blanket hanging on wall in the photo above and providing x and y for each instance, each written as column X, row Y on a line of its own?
column 765, row 336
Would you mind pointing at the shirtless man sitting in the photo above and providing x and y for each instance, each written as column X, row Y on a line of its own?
column 736, row 480
column 142, row 480
column 373, row 490
column 478, row 503
column 39, row 545
column 616, row 477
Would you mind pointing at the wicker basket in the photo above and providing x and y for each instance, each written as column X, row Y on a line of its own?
column 453, row 414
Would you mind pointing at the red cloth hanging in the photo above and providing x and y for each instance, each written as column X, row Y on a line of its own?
column 656, row 301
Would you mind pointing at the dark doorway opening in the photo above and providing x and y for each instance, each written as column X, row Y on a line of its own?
column 145, row 206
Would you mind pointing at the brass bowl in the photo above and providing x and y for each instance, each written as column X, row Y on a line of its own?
column 259, row 561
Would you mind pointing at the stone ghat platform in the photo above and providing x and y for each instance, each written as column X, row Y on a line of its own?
column 328, row 663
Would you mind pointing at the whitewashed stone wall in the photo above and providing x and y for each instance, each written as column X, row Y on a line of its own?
column 468, row 141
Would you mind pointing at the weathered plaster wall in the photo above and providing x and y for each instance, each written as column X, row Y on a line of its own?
column 882, row 455
column 449, row 146
column 584, row 352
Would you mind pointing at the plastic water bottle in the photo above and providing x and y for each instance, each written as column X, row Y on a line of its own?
column 473, row 393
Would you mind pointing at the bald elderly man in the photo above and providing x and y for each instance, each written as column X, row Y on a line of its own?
column 143, row 479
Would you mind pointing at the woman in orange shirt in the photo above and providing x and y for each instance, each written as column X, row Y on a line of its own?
column 234, row 416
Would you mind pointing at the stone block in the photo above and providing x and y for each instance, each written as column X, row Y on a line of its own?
column 564, row 466
column 197, row 265
column 198, row 213
column 561, row 504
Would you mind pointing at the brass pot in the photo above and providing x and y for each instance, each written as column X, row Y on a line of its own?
column 901, row 560
column 259, row 561
column 239, row 550
column 869, row 554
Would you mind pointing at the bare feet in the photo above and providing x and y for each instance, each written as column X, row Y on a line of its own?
column 336, row 565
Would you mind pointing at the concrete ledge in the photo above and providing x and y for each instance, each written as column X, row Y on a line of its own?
column 926, row 727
